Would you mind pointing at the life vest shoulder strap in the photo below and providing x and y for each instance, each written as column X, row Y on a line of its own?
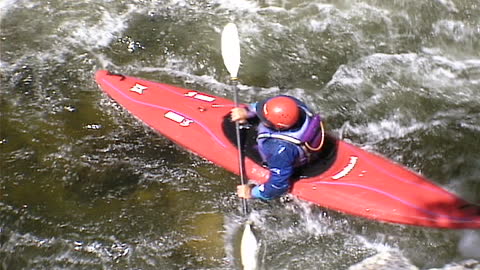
column 281, row 137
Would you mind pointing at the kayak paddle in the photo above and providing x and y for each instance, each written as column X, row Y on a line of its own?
column 231, row 59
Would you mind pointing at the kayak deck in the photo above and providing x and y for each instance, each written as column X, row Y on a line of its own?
column 345, row 178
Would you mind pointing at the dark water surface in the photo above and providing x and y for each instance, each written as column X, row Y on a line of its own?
column 84, row 185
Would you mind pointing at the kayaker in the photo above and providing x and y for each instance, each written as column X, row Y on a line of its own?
column 289, row 135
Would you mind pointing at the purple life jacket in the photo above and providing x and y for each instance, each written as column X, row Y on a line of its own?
column 308, row 138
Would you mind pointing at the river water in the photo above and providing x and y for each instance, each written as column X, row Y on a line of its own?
column 84, row 185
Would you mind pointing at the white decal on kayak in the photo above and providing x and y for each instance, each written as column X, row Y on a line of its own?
column 203, row 97
column 138, row 88
column 184, row 122
column 347, row 169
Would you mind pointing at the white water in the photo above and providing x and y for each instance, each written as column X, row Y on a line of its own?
column 377, row 72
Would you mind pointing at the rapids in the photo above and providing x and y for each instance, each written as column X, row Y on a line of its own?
column 84, row 185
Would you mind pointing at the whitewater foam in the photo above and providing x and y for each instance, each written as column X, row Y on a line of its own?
column 6, row 6
column 99, row 33
column 469, row 245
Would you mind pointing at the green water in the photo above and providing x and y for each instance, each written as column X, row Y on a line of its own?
column 84, row 185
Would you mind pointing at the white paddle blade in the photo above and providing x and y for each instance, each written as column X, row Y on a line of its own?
column 248, row 249
column 231, row 49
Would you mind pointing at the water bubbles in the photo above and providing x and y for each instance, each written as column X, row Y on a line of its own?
column 117, row 250
column 132, row 45
column 78, row 245
column 92, row 248
column 93, row 126
column 69, row 108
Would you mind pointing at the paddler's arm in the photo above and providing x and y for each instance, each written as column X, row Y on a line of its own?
column 241, row 114
column 281, row 167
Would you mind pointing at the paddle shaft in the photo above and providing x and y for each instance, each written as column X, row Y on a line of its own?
column 231, row 58
column 240, row 149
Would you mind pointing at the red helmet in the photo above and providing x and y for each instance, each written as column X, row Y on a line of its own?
column 280, row 112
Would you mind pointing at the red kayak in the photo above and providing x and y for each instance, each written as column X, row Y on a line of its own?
column 345, row 178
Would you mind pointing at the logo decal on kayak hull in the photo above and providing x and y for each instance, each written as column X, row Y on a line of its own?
column 138, row 88
column 351, row 164
column 199, row 96
column 182, row 121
